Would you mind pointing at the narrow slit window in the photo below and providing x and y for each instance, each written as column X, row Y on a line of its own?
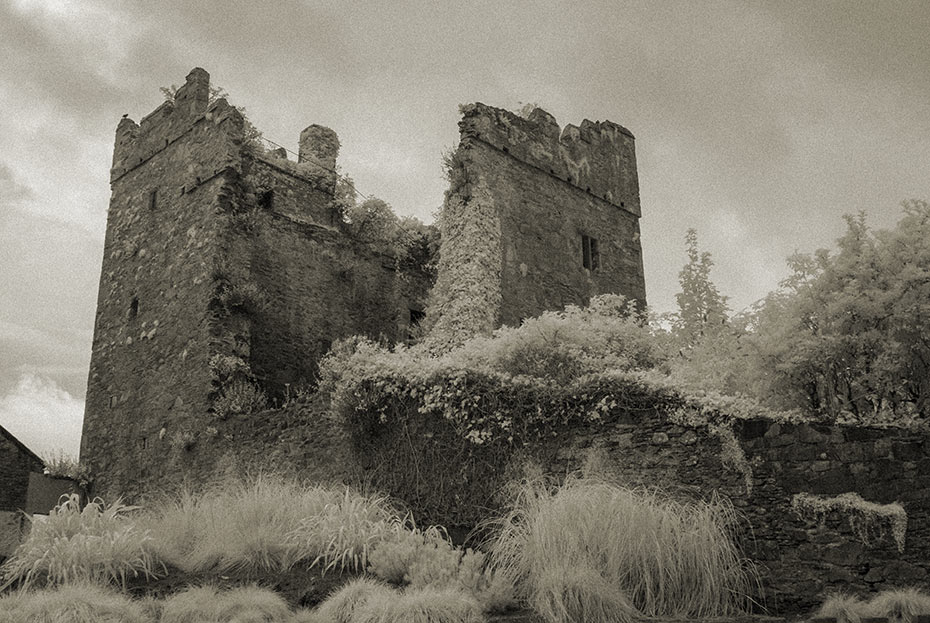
column 144, row 442
column 590, row 254
column 266, row 200
column 113, row 401
column 134, row 308
column 153, row 198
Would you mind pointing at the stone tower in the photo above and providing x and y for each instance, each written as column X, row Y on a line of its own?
column 223, row 263
column 537, row 218
column 228, row 269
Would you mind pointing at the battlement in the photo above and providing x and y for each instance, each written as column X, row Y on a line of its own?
column 597, row 157
column 137, row 143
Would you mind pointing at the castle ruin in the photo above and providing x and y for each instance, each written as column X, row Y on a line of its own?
column 218, row 250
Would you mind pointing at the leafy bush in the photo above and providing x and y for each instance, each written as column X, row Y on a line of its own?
column 215, row 529
column 609, row 553
column 62, row 465
column 99, row 544
column 72, row 603
column 421, row 559
column 247, row 604
column 236, row 390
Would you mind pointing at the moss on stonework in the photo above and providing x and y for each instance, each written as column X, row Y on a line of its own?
column 866, row 519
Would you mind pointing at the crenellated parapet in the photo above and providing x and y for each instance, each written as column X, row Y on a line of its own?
column 597, row 157
column 137, row 143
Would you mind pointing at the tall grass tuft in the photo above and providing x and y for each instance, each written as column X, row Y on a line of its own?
column 900, row 606
column 206, row 604
column 72, row 603
column 98, row 544
column 608, row 553
column 843, row 608
column 268, row 524
column 341, row 605
column 421, row 605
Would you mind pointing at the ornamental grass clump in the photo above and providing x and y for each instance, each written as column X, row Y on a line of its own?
column 72, row 603
column 269, row 524
column 897, row 606
column 341, row 605
column 206, row 604
column 420, row 605
column 99, row 543
column 604, row 552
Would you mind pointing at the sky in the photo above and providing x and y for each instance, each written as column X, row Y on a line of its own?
column 759, row 124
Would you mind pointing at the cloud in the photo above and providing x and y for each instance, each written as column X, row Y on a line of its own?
column 43, row 416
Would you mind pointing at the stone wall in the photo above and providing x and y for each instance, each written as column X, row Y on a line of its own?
column 16, row 463
column 801, row 556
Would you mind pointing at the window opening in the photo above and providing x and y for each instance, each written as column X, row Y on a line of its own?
column 134, row 308
column 153, row 198
column 590, row 254
column 266, row 200
column 113, row 401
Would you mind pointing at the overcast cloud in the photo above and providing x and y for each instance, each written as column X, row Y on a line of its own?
column 759, row 124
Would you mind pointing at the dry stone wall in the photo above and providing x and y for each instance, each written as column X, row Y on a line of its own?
column 802, row 556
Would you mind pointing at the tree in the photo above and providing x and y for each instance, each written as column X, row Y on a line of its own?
column 702, row 310
column 848, row 333
column 709, row 353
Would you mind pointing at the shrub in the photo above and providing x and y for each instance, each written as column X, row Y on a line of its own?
column 62, row 465
column 99, row 544
column 236, row 390
column 663, row 558
column 215, row 529
column 422, row 605
column 248, row 604
column 421, row 559
column 72, row 603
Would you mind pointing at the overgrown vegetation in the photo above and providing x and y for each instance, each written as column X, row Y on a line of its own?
column 844, row 337
column 63, row 465
column 236, row 390
column 869, row 521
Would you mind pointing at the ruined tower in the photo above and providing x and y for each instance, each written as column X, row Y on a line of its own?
column 227, row 274
column 537, row 218
column 229, row 269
